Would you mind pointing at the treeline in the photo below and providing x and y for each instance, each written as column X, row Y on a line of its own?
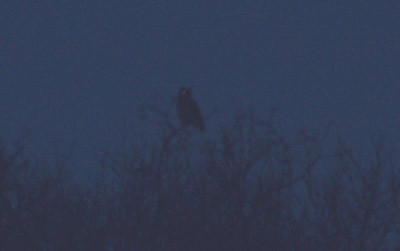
column 250, row 188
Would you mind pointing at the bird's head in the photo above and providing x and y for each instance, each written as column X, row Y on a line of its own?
column 185, row 92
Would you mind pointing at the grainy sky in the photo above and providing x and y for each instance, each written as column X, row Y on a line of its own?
column 74, row 70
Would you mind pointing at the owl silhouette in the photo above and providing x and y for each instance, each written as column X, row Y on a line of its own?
column 188, row 111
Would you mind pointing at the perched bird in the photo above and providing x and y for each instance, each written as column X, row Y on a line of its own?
column 188, row 111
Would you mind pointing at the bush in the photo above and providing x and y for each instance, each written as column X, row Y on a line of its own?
column 250, row 188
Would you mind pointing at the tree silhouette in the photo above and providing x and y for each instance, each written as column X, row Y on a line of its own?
column 249, row 188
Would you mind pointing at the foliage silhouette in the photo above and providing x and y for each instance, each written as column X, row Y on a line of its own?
column 250, row 189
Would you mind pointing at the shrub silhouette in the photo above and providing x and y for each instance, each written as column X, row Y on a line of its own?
column 250, row 189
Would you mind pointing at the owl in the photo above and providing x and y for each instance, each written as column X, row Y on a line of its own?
column 188, row 111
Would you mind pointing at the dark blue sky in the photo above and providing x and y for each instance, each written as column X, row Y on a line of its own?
column 72, row 70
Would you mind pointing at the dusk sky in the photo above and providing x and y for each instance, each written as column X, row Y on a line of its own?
column 72, row 71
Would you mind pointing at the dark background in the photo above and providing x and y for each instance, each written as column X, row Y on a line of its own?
column 71, row 72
